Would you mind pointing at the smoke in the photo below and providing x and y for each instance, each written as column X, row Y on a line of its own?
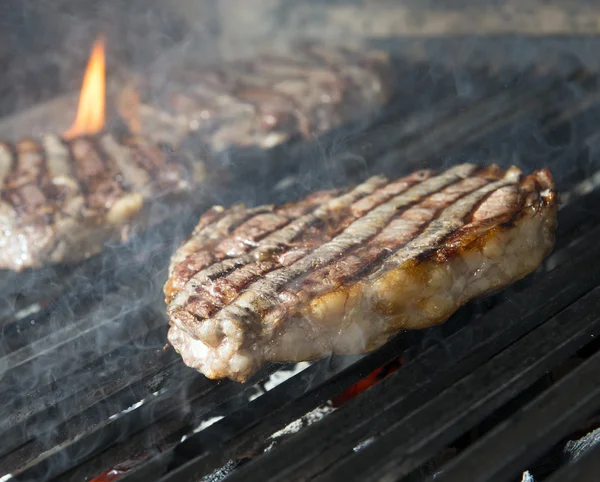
column 83, row 345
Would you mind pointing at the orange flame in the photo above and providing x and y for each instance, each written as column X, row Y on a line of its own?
column 90, row 112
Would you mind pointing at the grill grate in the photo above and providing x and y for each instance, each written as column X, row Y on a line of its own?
column 410, row 396
column 89, row 385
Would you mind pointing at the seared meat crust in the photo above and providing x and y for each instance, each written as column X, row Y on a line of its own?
column 343, row 271
column 262, row 101
column 62, row 200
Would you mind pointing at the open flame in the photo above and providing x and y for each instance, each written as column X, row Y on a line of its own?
column 90, row 112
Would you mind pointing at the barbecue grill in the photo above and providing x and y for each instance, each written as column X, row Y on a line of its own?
column 506, row 389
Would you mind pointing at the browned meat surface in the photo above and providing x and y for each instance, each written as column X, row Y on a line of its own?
column 343, row 271
column 62, row 200
column 262, row 101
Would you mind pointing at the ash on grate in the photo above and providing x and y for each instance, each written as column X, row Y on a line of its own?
column 574, row 449
column 278, row 378
column 527, row 477
column 314, row 416
column 219, row 474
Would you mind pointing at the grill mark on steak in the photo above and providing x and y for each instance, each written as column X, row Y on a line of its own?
column 166, row 169
column 210, row 230
column 58, row 157
column 408, row 263
column 29, row 166
column 450, row 220
column 277, row 247
column 361, row 259
column 62, row 199
column 96, row 174
column 261, row 295
column 246, row 235
column 133, row 173
column 7, row 160
column 22, row 190
column 111, row 166
column 274, row 242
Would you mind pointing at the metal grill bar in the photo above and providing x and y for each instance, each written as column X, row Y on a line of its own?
column 428, row 429
column 245, row 430
column 534, row 429
column 73, row 452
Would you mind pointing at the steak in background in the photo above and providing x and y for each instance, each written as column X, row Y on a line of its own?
column 63, row 200
column 259, row 102
column 343, row 271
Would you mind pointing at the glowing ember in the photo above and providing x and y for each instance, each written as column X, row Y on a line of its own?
column 90, row 113
column 367, row 382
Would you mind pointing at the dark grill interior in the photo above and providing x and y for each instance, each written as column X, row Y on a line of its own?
column 87, row 384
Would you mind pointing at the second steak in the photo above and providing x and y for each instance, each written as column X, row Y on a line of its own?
column 62, row 200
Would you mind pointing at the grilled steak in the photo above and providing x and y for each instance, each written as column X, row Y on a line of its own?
column 61, row 201
column 343, row 271
column 259, row 102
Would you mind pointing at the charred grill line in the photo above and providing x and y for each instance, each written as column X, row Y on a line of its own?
column 94, row 174
column 64, row 199
column 133, row 174
column 356, row 233
column 392, row 239
column 112, row 168
column 268, row 100
column 450, row 219
column 224, row 323
column 24, row 178
column 7, row 160
column 275, row 240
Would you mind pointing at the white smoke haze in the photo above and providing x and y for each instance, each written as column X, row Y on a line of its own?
column 85, row 333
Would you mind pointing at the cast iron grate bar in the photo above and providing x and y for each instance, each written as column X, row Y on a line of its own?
column 275, row 409
column 109, row 393
column 532, row 430
column 67, row 455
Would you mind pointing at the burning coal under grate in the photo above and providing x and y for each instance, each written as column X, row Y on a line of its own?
column 89, row 388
